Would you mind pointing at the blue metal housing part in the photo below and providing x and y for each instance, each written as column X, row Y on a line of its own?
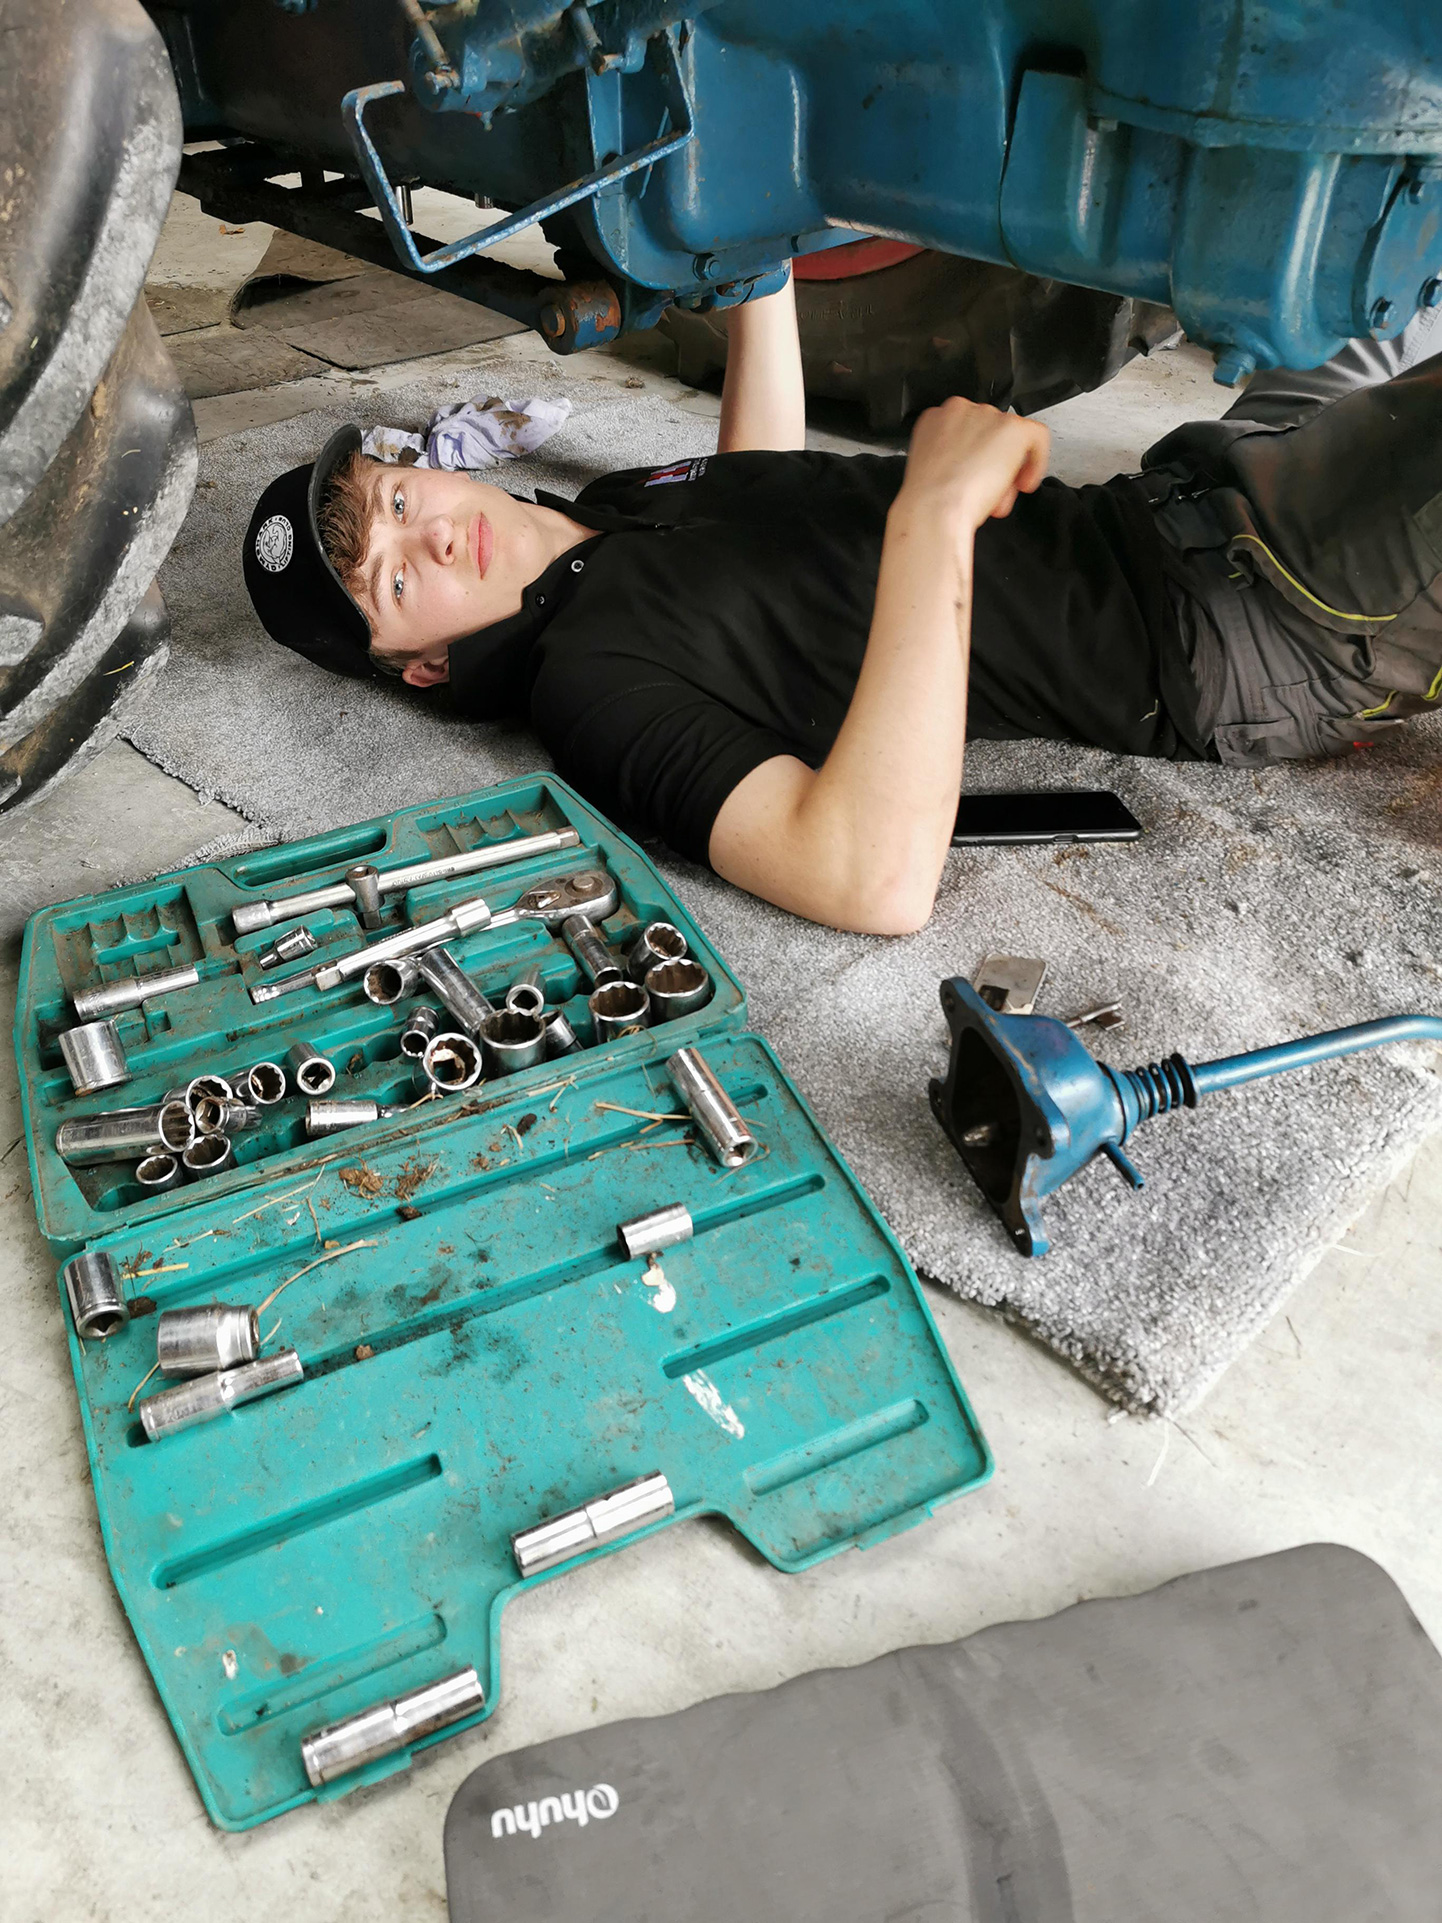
column 1026, row 1106
column 1271, row 169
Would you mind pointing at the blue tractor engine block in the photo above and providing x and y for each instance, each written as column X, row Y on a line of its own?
column 1270, row 169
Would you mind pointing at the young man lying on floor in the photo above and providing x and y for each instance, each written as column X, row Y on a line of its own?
column 774, row 658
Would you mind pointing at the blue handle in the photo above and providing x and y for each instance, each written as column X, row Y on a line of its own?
column 1261, row 1062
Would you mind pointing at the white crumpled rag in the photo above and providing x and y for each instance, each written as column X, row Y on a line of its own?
column 467, row 434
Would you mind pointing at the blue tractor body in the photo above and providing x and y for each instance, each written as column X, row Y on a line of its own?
column 1270, row 169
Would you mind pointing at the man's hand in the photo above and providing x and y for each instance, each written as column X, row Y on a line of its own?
column 967, row 463
column 860, row 842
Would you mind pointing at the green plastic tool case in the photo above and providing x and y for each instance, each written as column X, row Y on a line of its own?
column 490, row 1358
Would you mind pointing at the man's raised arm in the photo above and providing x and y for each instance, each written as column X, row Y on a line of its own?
column 859, row 842
column 763, row 401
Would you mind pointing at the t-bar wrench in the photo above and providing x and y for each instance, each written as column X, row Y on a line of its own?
column 251, row 915
column 588, row 892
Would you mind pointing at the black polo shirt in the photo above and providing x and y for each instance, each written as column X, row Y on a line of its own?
column 721, row 619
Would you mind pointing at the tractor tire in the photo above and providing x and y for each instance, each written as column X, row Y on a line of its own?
column 895, row 338
column 97, row 441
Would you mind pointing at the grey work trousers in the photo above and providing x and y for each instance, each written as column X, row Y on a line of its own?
column 1304, row 548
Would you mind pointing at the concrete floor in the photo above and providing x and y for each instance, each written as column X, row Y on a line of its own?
column 1327, row 1429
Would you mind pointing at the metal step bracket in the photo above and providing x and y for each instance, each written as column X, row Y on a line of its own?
column 353, row 109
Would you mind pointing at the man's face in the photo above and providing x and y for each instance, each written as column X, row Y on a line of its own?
column 447, row 555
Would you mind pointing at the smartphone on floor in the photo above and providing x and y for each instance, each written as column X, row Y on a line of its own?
column 1067, row 814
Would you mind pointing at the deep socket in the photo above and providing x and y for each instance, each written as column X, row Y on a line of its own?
column 205, row 1396
column 440, row 971
column 386, row 1727
column 591, row 949
column 95, row 1004
column 712, row 1109
column 121, row 1137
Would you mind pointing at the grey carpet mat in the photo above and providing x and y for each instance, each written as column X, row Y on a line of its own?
column 1257, row 1741
column 1255, row 908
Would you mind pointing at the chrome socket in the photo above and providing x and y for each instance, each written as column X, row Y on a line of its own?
column 387, row 982
column 200, row 1341
column 661, row 1229
column 96, row 1304
column 312, row 1072
column 712, row 1110
column 364, row 883
column 421, row 1024
column 440, row 971
column 211, row 1087
column 635, row 1504
column 677, row 988
column 261, row 1085
column 511, row 1041
column 159, row 1172
column 452, row 1062
column 561, row 1038
column 328, row 1118
column 341, row 1747
column 593, row 952
column 216, row 1117
column 619, row 1008
column 95, row 1004
column 288, row 947
column 122, row 1136
column 94, row 1057
column 209, row 1155
column 658, row 941
column 204, row 1397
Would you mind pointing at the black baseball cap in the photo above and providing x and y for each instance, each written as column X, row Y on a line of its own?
column 301, row 600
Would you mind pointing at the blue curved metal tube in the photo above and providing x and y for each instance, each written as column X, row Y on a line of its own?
column 1262, row 1062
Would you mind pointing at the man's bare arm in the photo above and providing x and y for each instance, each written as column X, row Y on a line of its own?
column 763, row 401
column 860, row 842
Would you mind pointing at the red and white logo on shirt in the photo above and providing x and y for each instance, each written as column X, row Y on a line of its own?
column 677, row 471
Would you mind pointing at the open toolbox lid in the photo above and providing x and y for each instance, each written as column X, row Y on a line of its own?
column 479, row 1354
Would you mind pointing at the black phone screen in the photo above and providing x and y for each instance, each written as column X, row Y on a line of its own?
column 1068, row 814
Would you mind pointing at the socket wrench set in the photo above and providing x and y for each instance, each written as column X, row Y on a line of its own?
column 483, row 1239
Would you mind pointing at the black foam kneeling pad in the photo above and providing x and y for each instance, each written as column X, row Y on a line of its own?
column 1261, row 1741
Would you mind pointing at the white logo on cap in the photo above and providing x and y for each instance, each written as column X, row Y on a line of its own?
column 275, row 544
